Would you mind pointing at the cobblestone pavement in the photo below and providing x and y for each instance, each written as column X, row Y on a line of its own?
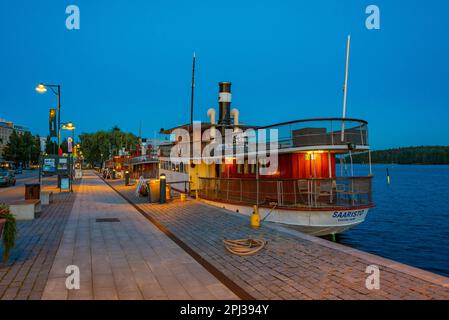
column 126, row 259
column 293, row 265
column 26, row 273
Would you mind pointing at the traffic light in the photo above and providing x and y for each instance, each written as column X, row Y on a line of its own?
column 52, row 123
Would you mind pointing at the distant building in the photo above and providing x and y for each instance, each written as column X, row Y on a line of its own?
column 6, row 129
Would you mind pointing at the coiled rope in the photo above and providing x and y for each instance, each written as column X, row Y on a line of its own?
column 244, row 247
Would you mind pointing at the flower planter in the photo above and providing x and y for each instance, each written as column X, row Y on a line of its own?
column 8, row 231
column 2, row 224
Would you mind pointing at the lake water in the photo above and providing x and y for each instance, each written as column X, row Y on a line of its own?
column 410, row 222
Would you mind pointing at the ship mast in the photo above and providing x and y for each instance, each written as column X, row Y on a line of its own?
column 191, row 110
column 193, row 90
column 345, row 88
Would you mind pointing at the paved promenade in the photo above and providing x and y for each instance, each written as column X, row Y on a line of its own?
column 126, row 259
column 293, row 265
column 179, row 254
column 25, row 275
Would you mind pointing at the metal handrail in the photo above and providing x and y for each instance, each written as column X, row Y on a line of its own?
column 338, row 192
column 314, row 120
column 288, row 179
column 141, row 159
column 314, row 132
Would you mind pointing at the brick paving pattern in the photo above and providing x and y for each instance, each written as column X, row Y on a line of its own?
column 129, row 259
column 293, row 265
column 25, row 275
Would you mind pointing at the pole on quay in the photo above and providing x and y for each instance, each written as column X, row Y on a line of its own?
column 73, row 161
column 162, row 193
column 42, row 88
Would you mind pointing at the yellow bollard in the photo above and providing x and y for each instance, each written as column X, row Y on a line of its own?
column 196, row 194
column 255, row 218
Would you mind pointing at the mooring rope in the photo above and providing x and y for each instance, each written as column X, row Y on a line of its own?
column 244, row 247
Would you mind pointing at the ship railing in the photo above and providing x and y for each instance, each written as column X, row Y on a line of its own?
column 340, row 192
column 141, row 159
column 324, row 132
column 321, row 132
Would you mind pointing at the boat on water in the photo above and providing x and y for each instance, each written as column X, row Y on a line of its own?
column 307, row 190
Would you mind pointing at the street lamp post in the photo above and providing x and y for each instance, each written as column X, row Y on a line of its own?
column 56, row 89
column 69, row 126
column 42, row 88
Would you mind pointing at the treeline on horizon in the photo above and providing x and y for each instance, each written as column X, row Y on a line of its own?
column 409, row 155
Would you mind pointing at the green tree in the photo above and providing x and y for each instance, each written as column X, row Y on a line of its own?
column 50, row 146
column 22, row 148
column 99, row 146
column 27, row 144
column 12, row 149
column 36, row 150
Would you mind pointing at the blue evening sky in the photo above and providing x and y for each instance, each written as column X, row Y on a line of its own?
column 131, row 62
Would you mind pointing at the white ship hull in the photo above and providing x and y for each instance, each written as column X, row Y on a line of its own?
column 316, row 222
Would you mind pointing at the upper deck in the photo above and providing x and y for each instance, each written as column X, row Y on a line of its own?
column 322, row 134
column 326, row 134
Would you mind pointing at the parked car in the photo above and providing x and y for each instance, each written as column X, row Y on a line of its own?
column 7, row 178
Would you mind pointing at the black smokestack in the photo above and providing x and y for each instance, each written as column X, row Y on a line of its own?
column 224, row 103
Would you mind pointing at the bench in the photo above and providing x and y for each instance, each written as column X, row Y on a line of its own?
column 46, row 197
column 25, row 209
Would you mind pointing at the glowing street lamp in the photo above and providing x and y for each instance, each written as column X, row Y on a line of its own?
column 69, row 126
column 42, row 88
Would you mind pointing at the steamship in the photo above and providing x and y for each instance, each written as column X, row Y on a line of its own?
column 308, row 190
